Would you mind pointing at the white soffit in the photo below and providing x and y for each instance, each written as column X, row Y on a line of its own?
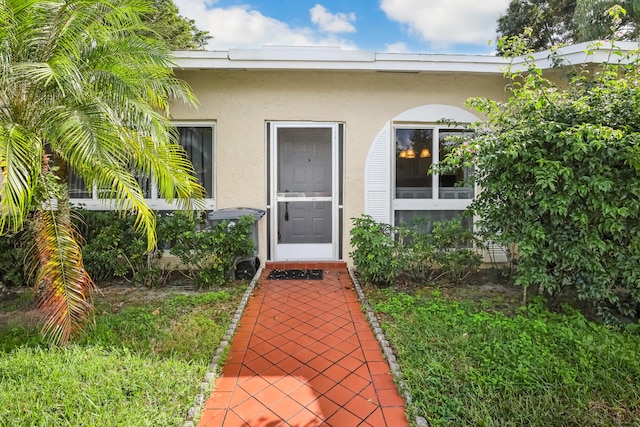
column 337, row 59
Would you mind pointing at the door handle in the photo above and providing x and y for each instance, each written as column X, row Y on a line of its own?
column 286, row 208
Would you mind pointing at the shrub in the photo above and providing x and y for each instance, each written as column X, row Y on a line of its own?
column 559, row 164
column 383, row 253
column 115, row 249
column 208, row 255
column 13, row 249
column 377, row 255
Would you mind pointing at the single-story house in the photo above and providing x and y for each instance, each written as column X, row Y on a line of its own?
column 316, row 136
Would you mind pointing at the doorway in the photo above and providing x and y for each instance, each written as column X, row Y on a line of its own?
column 304, row 191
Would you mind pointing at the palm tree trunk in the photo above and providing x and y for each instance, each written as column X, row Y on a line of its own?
column 62, row 284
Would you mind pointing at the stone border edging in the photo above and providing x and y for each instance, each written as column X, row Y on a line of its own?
column 210, row 376
column 386, row 348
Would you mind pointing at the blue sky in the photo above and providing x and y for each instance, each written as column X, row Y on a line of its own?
column 425, row 26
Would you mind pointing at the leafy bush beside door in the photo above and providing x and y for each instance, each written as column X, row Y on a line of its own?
column 384, row 253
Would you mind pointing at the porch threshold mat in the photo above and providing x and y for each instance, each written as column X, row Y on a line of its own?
column 295, row 274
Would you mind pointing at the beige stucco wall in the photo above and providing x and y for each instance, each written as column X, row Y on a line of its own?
column 241, row 102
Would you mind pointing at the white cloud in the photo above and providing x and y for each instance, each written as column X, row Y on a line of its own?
column 243, row 27
column 399, row 47
column 443, row 23
column 332, row 22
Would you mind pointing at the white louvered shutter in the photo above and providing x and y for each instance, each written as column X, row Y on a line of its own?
column 377, row 181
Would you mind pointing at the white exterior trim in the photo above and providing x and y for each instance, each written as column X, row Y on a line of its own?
column 377, row 177
column 308, row 251
column 159, row 204
column 337, row 59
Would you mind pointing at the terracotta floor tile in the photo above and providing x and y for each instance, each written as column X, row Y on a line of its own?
column 286, row 408
column 245, row 374
column 361, row 407
column 323, row 407
column 225, row 383
column 342, row 417
column 275, row 356
column 320, row 363
column 377, row 368
column 350, row 363
column 370, row 394
column 358, row 354
column 339, row 394
column 258, row 365
column 288, row 384
column 374, row 355
column 274, row 371
column 390, row 397
column 395, row 417
column 211, row 418
column 305, row 418
column 304, row 355
column 218, row 400
column 238, row 396
column 250, row 409
column 319, row 347
column 304, row 395
column 231, row 369
column 254, row 385
column 322, row 384
column 355, row 383
column 336, row 373
column 233, row 420
column 383, row 382
column 376, row 418
column 347, row 347
column 307, row 373
column 333, row 354
column 291, row 347
column 363, row 371
column 270, row 396
column 290, row 364
column 279, row 341
column 370, row 343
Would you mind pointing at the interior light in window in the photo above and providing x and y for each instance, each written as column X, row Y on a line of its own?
column 403, row 154
column 411, row 154
column 425, row 153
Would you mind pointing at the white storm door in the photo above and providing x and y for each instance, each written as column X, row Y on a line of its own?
column 304, row 191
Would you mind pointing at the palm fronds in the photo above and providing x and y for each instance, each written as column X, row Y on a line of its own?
column 62, row 284
column 82, row 81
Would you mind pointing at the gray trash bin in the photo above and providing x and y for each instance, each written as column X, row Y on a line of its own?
column 245, row 268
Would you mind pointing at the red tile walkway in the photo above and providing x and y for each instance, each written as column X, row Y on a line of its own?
column 304, row 356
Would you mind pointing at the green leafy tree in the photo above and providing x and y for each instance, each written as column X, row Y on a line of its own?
column 547, row 23
column 559, row 165
column 80, row 85
column 178, row 32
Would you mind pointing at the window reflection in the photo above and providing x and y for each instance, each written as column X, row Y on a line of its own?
column 414, row 156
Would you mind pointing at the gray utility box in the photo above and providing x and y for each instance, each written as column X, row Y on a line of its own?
column 245, row 268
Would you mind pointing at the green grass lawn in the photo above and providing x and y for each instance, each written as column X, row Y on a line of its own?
column 484, row 361
column 141, row 364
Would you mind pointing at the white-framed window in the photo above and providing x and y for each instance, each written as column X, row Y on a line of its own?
column 416, row 192
column 198, row 140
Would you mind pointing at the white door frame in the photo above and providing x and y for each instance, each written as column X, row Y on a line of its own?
column 310, row 251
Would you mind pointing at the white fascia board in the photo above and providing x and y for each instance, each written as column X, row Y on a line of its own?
column 328, row 59
column 336, row 59
column 394, row 62
column 302, row 54
column 577, row 54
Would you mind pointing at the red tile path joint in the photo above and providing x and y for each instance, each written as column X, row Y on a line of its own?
column 304, row 356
